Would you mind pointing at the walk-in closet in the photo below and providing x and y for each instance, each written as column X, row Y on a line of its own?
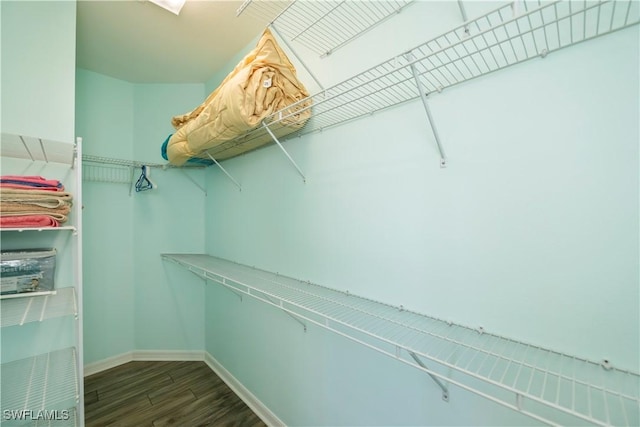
column 320, row 213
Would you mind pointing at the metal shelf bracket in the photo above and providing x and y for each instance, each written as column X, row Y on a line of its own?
column 275, row 139
column 445, row 391
column 225, row 171
column 288, row 313
column 423, row 97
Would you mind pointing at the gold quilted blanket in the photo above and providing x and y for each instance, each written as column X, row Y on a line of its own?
column 263, row 83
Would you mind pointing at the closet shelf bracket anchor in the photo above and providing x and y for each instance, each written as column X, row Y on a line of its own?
column 225, row 171
column 288, row 313
column 264, row 125
column 463, row 12
column 445, row 392
column 423, row 97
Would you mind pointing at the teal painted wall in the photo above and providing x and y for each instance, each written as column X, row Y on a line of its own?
column 130, row 303
column 531, row 231
column 37, row 97
column 169, row 314
column 104, row 118
column 38, row 62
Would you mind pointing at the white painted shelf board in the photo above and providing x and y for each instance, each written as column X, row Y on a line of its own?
column 43, row 382
column 36, row 308
column 544, row 384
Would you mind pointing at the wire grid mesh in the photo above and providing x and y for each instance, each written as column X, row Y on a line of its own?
column 107, row 173
column 44, row 382
column 494, row 41
column 324, row 26
column 587, row 390
column 18, row 311
column 37, row 149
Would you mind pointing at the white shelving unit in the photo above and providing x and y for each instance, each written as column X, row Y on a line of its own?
column 46, row 382
column 18, row 311
column 549, row 386
column 49, row 381
column 514, row 33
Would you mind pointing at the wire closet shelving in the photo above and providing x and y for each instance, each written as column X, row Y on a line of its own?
column 547, row 385
column 30, row 308
column 509, row 35
column 51, row 385
column 121, row 171
column 324, row 26
column 45, row 388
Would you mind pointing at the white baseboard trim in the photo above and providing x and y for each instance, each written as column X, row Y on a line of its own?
column 108, row 363
column 157, row 355
column 268, row 417
column 190, row 355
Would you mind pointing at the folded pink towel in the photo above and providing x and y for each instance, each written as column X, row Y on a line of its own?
column 30, row 181
column 28, row 221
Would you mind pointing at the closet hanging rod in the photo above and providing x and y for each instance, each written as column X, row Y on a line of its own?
column 133, row 163
column 544, row 384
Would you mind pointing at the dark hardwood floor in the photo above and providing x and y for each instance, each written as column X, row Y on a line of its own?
column 163, row 394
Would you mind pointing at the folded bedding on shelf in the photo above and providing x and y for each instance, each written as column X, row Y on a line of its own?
column 20, row 208
column 28, row 221
column 40, row 198
column 262, row 84
column 43, row 204
column 30, row 182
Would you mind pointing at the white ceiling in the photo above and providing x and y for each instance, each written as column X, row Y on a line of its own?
column 139, row 42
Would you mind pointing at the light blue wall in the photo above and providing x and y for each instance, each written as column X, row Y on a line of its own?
column 531, row 231
column 37, row 90
column 38, row 63
column 130, row 303
column 104, row 117
column 169, row 313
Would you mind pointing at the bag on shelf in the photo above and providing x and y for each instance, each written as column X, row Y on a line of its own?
column 27, row 270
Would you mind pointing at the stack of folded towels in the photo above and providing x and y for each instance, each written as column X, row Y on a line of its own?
column 32, row 202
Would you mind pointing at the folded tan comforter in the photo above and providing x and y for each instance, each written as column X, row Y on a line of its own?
column 263, row 83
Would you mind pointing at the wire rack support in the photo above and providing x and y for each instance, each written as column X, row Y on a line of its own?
column 546, row 385
column 507, row 36
column 275, row 139
column 425, row 103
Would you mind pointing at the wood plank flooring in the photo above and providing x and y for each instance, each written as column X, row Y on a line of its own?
column 155, row 394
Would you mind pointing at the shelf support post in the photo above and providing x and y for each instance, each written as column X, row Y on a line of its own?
column 445, row 392
column 225, row 171
column 423, row 97
column 275, row 139
column 463, row 12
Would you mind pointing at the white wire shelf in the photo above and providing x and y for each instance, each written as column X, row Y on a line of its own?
column 23, row 229
column 325, row 26
column 504, row 37
column 37, row 308
column 44, row 382
column 546, row 385
column 37, row 149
